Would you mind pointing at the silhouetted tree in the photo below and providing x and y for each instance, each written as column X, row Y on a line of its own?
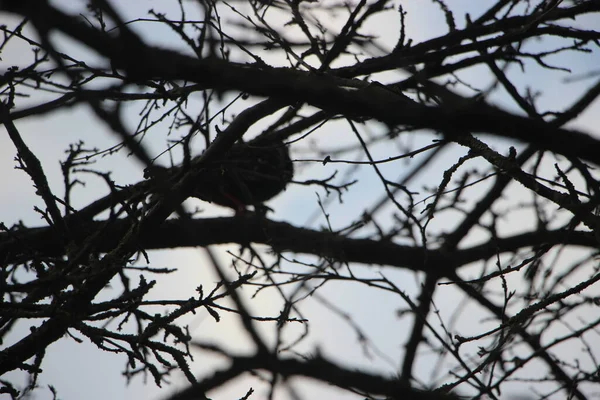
column 455, row 183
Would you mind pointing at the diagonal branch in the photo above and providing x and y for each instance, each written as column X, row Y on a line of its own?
column 353, row 98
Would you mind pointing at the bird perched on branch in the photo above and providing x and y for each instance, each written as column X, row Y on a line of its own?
column 248, row 174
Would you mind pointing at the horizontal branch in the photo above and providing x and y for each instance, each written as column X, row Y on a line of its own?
column 316, row 368
column 282, row 237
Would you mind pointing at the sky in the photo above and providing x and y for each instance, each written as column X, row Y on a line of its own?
column 81, row 370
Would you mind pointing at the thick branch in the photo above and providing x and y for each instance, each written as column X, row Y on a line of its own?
column 352, row 98
column 281, row 237
column 316, row 368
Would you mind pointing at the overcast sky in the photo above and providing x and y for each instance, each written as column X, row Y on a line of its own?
column 82, row 371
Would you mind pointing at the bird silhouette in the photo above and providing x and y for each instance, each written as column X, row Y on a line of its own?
column 247, row 174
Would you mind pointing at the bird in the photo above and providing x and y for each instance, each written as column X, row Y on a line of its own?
column 248, row 174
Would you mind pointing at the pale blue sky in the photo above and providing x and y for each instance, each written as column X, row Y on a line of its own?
column 82, row 371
